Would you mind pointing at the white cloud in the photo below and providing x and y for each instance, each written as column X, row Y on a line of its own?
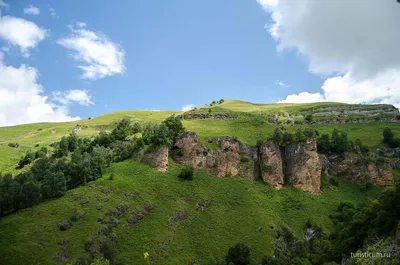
column 80, row 24
column 53, row 12
column 101, row 56
column 74, row 95
column 188, row 107
column 354, row 44
column 2, row 3
column 32, row 10
column 280, row 83
column 21, row 32
column 303, row 97
column 22, row 99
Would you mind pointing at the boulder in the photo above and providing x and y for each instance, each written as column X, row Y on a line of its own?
column 13, row 145
column 155, row 157
column 303, row 167
column 271, row 164
column 362, row 170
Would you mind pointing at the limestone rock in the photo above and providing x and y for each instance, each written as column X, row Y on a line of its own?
column 271, row 164
column 157, row 158
column 303, row 168
column 325, row 164
column 233, row 158
column 363, row 170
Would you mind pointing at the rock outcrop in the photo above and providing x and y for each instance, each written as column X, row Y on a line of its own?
column 363, row 170
column 303, row 167
column 233, row 158
column 157, row 158
column 271, row 164
column 297, row 164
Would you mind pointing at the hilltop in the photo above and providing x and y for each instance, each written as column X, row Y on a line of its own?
column 185, row 222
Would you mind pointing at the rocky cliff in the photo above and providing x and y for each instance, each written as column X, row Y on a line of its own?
column 362, row 170
column 267, row 162
column 233, row 157
column 155, row 157
column 297, row 164
column 303, row 167
column 271, row 164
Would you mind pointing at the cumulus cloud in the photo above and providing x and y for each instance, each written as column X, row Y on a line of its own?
column 22, row 99
column 32, row 10
column 354, row 44
column 188, row 107
column 73, row 96
column 280, row 83
column 21, row 32
column 53, row 12
column 100, row 56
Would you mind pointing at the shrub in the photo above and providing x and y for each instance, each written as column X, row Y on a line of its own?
column 186, row 173
column 334, row 182
column 308, row 117
column 238, row 255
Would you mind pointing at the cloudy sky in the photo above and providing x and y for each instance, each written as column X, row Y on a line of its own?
column 59, row 62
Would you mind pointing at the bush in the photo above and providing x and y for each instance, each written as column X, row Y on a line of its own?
column 186, row 174
column 238, row 255
column 334, row 182
column 308, row 117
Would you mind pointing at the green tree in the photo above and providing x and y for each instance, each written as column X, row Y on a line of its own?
column 148, row 133
column 54, row 184
column 122, row 130
column 174, row 125
column 238, row 255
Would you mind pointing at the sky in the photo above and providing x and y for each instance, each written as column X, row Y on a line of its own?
column 65, row 60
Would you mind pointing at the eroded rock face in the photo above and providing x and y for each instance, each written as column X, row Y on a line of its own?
column 325, row 164
column 303, row 167
column 233, row 158
column 271, row 164
column 363, row 170
column 156, row 158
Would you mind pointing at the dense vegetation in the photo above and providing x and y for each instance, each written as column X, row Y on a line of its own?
column 76, row 161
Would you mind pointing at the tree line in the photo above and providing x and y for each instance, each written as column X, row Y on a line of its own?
column 76, row 161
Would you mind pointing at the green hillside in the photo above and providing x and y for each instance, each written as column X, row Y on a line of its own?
column 173, row 231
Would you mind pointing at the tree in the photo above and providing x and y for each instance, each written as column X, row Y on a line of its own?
column 148, row 133
column 42, row 152
column 174, row 125
column 122, row 130
column 339, row 142
column 103, row 139
column 26, row 160
column 238, row 255
column 54, row 184
column 324, row 144
column 388, row 135
column 73, row 142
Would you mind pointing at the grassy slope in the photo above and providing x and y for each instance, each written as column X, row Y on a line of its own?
column 31, row 236
column 238, row 208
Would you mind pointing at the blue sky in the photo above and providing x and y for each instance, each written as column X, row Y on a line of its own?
column 167, row 54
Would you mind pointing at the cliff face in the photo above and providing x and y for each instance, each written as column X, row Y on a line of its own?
column 271, row 165
column 303, row 167
column 363, row 170
column 297, row 164
column 233, row 158
column 157, row 158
